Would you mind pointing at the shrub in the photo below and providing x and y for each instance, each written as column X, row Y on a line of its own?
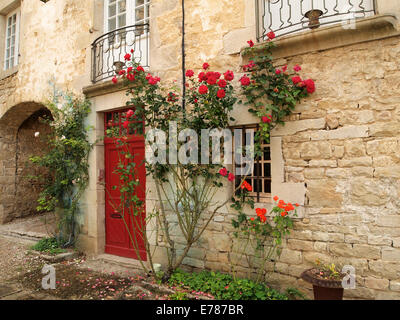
column 49, row 245
column 224, row 287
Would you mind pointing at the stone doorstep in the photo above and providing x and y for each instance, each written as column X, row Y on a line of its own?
column 119, row 261
column 26, row 235
column 58, row 257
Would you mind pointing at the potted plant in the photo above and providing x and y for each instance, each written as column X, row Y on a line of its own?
column 326, row 280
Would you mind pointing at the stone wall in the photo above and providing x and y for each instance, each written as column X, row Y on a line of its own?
column 28, row 189
column 341, row 144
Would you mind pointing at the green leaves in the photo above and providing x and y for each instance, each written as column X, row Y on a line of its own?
column 225, row 287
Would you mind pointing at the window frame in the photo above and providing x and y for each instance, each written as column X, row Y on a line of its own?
column 258, row 178
column 17, row 13
column 130, row 14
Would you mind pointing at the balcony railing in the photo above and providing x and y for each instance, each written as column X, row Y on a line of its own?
column 109, row 50
column 289, row 16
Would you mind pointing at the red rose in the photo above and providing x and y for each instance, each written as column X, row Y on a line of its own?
column 153, row 81
column 202, row 76
column 140, row 68
column 132, row 51
column 297, row 68
column 231, row 177
column 206, row 66
column 130, row 77
column 284, row 68
column 221, row 93
column 223, row 172
column 245, row 80
column 296, row 80
column 310, row 85
column 278, row 71
column 114, row 80
column 211, row 80
column 251, row 43
column 126, row 124
column 203, row 89
column 189, row 73
column 222, row 83
column 122, row 72
column 271, row 35
column 130, row 113
column 129, row 70
column 229, row 76
column 127, row 56
column 266, row 119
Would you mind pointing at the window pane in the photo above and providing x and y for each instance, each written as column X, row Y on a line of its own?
column 139, row 14
column 111, row 24
column 122, row 6
column 121, row 21
column 139, row 2
column 267, row 169
column 112, row 10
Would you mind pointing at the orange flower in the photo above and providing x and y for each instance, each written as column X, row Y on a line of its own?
column 296, row 204
column 289, row 207
column 283, row 214
column 261, row 212
column 246, row 185
column 263, row 218
column 252, row 219
column 276, row 198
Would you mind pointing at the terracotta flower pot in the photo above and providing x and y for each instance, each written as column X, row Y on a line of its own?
column 324, row 289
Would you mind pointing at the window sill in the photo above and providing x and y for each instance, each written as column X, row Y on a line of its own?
column 367, row 29
column 8, row 73
column 103, row 88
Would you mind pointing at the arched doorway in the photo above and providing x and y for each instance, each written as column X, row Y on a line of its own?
column 19, row 193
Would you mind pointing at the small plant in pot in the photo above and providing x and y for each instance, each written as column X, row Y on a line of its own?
column 326, row 280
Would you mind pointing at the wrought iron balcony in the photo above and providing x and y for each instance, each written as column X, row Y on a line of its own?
column 290, row 16
column 109, row 50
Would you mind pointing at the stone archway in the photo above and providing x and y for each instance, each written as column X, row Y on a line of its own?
column 18, row 125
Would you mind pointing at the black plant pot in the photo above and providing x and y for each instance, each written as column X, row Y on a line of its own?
column 324, row 289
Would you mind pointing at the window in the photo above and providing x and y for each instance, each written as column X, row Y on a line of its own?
column 122, row 13
column 11, row 40
column 260, row 177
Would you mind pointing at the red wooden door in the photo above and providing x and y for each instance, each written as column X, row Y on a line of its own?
column 124, row 231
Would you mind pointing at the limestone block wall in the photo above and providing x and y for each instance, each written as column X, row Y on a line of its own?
column 340, row 145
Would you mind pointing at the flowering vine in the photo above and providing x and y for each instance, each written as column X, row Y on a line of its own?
column 271, row 93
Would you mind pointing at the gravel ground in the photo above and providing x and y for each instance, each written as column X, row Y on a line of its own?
column 15, row 258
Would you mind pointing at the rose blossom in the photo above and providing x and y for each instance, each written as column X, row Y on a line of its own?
column 296, row 80
column 221, row 93
column 271, row 35
column 223, row 172
column 229, row 76
column 206, row 66
column 203, row 89
column 297, row 68
column 251, row 43
column 222, row 83
column 245, row 80
column 189, row 73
